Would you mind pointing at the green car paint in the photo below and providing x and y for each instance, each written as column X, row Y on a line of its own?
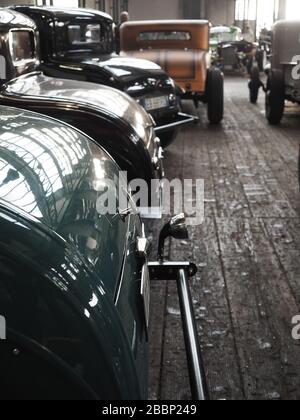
column 69, row 277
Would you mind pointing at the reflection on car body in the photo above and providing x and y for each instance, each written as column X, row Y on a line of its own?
column 69, row 278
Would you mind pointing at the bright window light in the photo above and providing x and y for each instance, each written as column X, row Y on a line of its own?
column 266, row 10
column 61, row 3
column 65, row 3
column 293, row 9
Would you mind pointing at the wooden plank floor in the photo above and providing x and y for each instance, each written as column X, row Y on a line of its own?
column 248, row 288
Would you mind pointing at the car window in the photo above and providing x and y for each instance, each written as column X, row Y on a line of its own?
column 84, row 34
column 80, row 37
column 165, row 36
column 22, row 45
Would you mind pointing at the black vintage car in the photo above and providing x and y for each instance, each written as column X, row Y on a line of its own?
column 109, row 116
column 79, row 44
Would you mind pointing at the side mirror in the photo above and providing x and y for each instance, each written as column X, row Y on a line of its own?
column 175, row 228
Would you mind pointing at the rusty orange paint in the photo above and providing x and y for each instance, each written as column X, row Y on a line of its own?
column 186, row 60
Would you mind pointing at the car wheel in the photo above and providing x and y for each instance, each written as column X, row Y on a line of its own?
column 275, row 97
column 167, row 138
column 215, row 96
column 299, row 167
column 261, row 59
column 254, row 85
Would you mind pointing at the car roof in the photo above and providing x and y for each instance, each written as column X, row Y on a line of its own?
column 283, row 24
column 11, row 19
column 65, row 12
column 167, row 23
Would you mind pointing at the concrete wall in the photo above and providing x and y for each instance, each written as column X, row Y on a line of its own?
column 220, row 12
column 217, row 11
column 154, row 9
column 4, row 3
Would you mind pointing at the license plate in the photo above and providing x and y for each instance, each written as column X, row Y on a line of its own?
column 145, row 293
column 156, row 103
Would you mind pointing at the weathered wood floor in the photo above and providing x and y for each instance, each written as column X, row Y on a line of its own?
column 248, row 248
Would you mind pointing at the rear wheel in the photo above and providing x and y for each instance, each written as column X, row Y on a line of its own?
column 261, row 59
column 215, row 96
column 299, row 167
column 254, row 85
column 275, row 97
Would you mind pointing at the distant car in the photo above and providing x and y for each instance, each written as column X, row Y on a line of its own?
column 283, row 81
column 109, row 116
column 223, row 34
column 75, row 282
column 79, row 44
column 181, row 48
column 230, row 50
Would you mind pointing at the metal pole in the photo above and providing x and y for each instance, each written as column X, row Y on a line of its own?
column 195, row 363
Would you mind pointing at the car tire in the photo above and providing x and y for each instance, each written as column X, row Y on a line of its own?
column 299, row 168
column 261, row 59
column 215, row 96
column 167, row 138
column 275, row 97
column 254, row 85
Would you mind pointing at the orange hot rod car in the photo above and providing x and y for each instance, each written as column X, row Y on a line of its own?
column 182, row 49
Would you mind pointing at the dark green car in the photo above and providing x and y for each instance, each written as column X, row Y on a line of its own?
column 70, row 278
column 74, row 279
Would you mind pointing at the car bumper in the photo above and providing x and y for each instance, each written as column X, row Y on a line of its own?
column 181, row 272
column 177, row 122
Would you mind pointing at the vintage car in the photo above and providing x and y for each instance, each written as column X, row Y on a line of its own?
column 75, row 280
column 223, row 34
column 264, row 49
column 229, row 50
column 181, row 48
column 109, row 116
column 283, row 81
column 79, row 44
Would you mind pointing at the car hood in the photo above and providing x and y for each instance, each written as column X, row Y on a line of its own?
column 126, row 69
column 104, row 98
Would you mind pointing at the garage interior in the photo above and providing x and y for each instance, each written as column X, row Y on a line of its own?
column 247, row 291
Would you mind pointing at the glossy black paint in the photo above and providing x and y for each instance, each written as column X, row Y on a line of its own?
column 98, row 63
column 109, row 116
column 10, row 22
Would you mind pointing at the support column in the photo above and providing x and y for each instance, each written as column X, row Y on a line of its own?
column 282, row 9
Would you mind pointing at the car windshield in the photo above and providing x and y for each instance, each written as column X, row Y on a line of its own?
column 231, row 35
column 165, row 36
column 84, row 34
column 80, row 37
